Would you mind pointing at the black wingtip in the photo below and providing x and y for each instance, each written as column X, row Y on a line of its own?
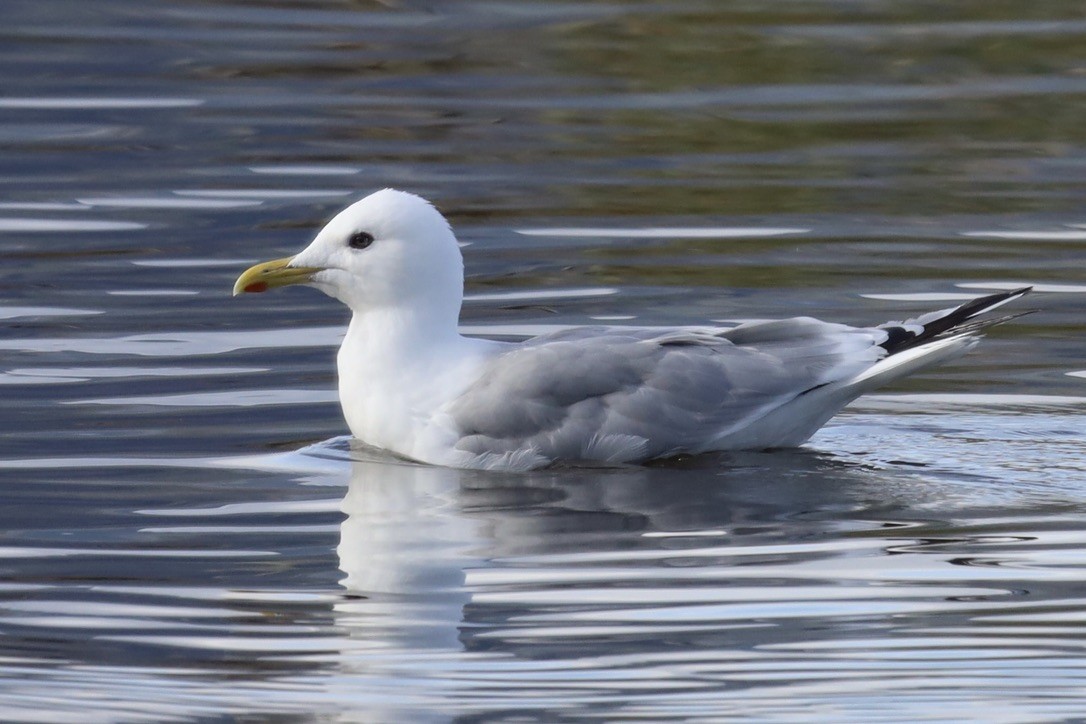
column 980, row 305
column 955, row 321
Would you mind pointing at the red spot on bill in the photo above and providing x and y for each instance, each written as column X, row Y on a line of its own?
column 256, row 287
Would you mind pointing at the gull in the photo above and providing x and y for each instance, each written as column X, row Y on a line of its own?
column 410, row 383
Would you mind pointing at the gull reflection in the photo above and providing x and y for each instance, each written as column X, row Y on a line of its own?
column 437, row 559
column 405, row 548
column 732, row 552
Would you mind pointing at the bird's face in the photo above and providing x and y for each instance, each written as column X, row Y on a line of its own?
column 391, row 249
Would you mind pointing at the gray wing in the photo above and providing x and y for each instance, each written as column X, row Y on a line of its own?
column 624, row 395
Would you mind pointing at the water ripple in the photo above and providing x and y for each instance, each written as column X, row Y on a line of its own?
column 65, row 225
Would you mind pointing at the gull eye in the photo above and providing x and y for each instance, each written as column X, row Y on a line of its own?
column 360, row 240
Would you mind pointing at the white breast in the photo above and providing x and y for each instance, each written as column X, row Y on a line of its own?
column 392, row 388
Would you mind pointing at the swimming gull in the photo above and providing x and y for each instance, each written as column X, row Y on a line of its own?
column 409, row 382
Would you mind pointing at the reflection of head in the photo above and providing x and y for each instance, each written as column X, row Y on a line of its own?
column 404, row 548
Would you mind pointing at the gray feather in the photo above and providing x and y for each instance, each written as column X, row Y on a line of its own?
column 619, row 395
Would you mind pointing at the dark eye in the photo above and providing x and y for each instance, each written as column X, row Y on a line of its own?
column 360, row 240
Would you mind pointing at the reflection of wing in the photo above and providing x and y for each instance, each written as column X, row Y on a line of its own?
column 619, row 395
column 404, row 549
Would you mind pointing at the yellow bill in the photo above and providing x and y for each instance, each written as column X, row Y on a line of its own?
column 271, row 274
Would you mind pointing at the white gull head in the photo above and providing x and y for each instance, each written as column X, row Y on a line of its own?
column 392, row 259
column 390, row 251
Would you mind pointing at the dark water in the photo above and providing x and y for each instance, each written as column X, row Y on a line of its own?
column 186, row 534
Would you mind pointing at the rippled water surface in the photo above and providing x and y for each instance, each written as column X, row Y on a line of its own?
column 187, row 533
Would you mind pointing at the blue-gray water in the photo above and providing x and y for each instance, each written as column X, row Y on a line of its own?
column 186, row 533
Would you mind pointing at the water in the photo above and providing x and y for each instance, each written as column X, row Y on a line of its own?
column 186, row 532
